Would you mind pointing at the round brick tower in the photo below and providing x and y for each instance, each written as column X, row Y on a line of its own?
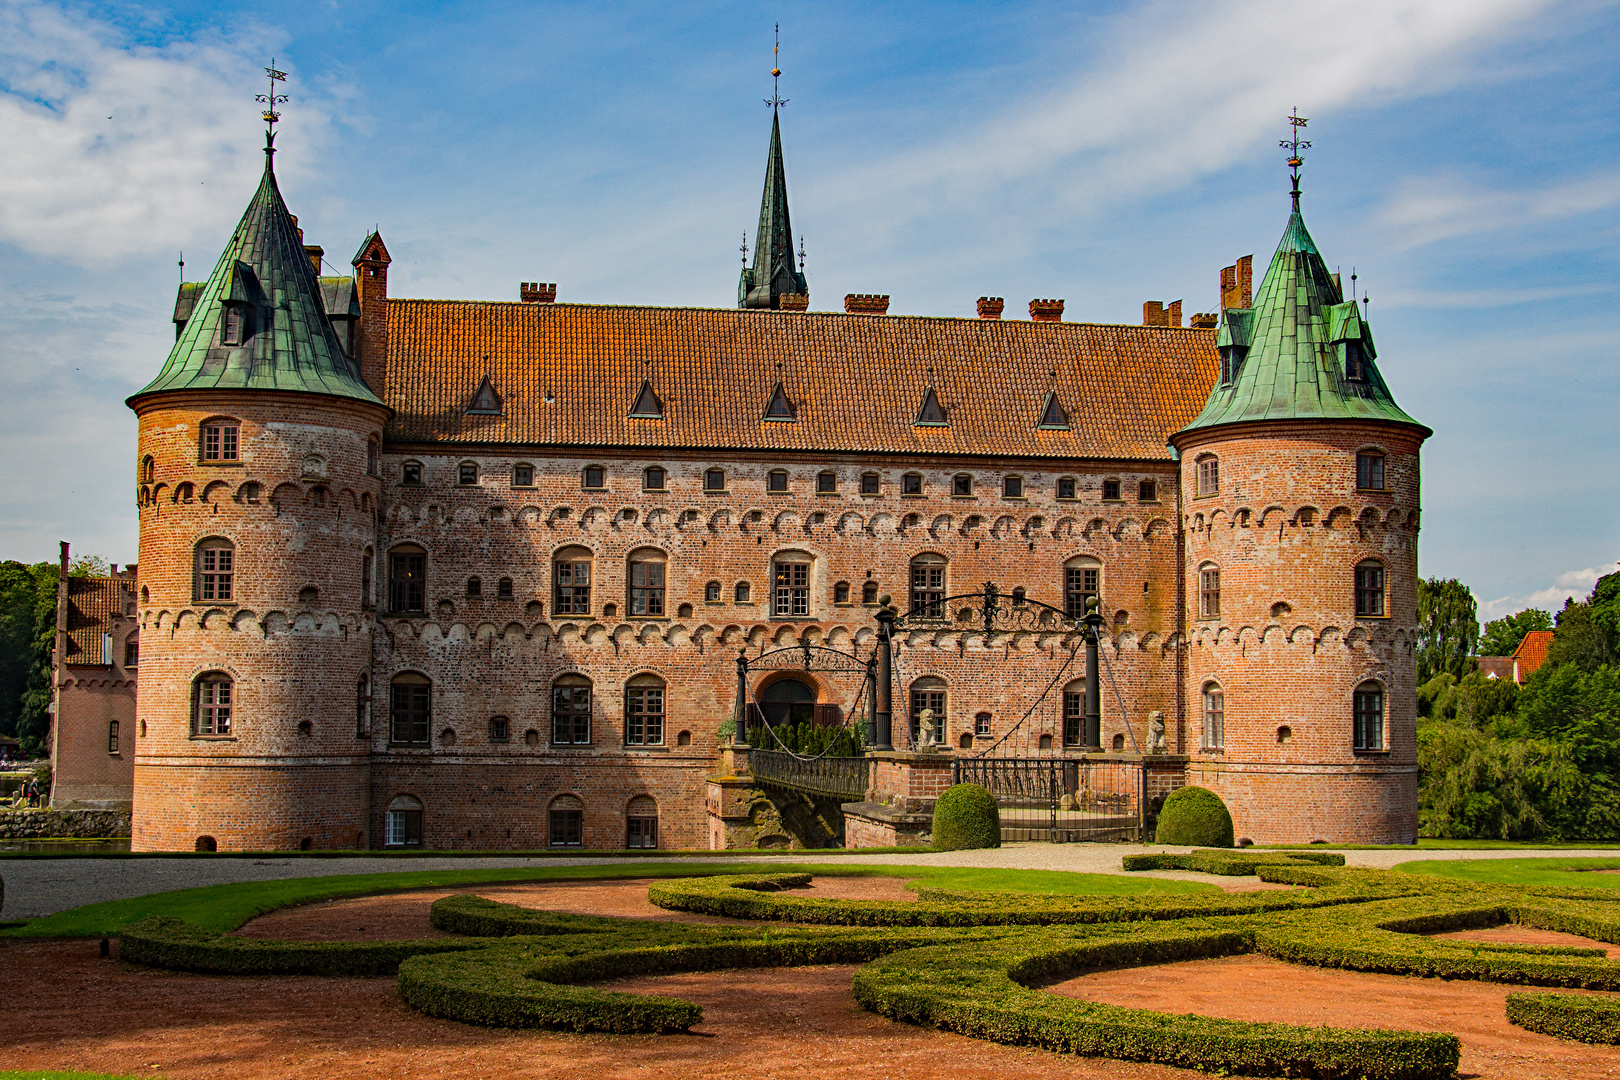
column 258, row 495
column 1300, row 499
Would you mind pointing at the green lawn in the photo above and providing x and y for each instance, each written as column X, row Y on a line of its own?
column 1558, row 872
column 226, row 907
column 1426, row 844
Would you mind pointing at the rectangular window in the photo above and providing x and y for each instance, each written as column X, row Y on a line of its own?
column 714, row 480
column 927, row 699
column 1012, row 487
column 404, row 828
column 1370, row 472
column 503, row 589
column 1110, row 490
column 1209, row 593
column 826, row 483
column 1074, row 718
column 962, row 484
column 644, row 716
column 219, row 442
column 595, row 477
column 523, row 476
column 571, row 715
column 792, row 589
column 653, row 479
column 371, row 459
column 1209, row 476
column 567, row 828
column 776, row 481
column 467, row 474
column 1354, row 368
column 1214, row 719
column 132, row 652
column 1147, row 491
column 574, row 588
column 1066, row 488
column 1370, row 590
column 407, row 574
column 981, row 724
column 646, row 588
column 711, row 592
column 1369, row 720
column 869, row 483
column 928, row 589
column 499, row 729
column 911, row 484
column 231, row 333
column 411, row 473
column 112, row 736
column 1079, row 582
column 411, row 715
column 216, row 571
column 641, row 832
column 214, row 707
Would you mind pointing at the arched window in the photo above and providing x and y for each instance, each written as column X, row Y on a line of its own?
column 646, row 582
column 788, row 701
column 218, row 440
column 1368, row 718
column 567, row 821
column 1214, row 716
column 404, row 825
column 1370, row 589
column 1209, row 591
column 407, row 579
column 214, row 695
column 184, row 493
column 869, row 592
column 714, row 480
column 641, row 823
column 367, row 557
column 644, row 704
column 927, row 693
column 653, row 478
column 411, row 710
column 475, row 588
column 928, row 585
column 249, row 492
column 467, row 473
column 711, row 592
column 1369, row 470
column 742, row 592
column 148, row 469
column 112, row 736
column 503, row 589
column 571, row 711
column 216, row 570
column 981, row 723
column 362, row 707
column 571, row 571
column 1074, row 713
column 841, row 593
column 1082, row 579
column 1209, row 475
column 790, row 574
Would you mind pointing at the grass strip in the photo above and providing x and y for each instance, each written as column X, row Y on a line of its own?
column 1570, row 872
column 1580, row 1017
column 1228, row 863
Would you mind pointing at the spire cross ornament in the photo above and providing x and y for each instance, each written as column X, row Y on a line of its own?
column 776, row 100
column 1294, row 145
column 270, row 101
column 744, row 249
column 801, row 253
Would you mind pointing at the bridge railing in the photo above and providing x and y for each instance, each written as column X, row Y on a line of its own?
column 833, row 777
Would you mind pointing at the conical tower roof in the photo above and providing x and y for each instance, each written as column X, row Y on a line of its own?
column 1301, row 352
column 773, row 273
column 286, row 342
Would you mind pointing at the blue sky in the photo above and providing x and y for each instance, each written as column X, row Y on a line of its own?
column 1466, row 164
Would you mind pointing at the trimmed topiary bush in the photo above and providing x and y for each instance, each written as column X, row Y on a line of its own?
column 1195, row 816
column 966, row 817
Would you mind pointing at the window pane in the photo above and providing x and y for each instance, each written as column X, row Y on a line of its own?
column 566, row 828
column 1110, row 489
column 406, row 581
column 1148, row 491
column 911, row 484
column 1013, row 487
column 714, row 480
column 777, row 481
column 1066, row 488
column 571, row 715
column 594, row 478
column 1074, row 718
column 962, row 485
column 523, row 475
column 869, row 484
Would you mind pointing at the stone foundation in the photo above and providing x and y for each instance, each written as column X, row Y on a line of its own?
column 74, row 824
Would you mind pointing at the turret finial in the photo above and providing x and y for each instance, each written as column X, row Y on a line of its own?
column 776, row 100
column 270, row 101
column 1294, row 145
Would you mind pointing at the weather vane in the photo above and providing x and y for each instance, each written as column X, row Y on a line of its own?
column 1294, row 145
column 744, row 249
column 801, row 253
column 270, row 101
column 776, row 100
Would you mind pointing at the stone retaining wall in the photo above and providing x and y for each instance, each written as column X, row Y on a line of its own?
column 78, row 824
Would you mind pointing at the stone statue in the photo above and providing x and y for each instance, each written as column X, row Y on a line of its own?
column 925, row 723
column 1156, row 732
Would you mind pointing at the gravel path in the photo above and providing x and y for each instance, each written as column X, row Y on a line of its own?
column 36, row 887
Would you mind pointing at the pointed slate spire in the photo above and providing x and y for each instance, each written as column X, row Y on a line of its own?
column 780, row 408
column 259, row 323
column 1300, row 352
column 647, row 405
column 773, row 274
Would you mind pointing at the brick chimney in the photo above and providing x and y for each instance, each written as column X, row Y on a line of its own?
column 795, row 301
column 371, row 289
column 535, row 292
column 866, row 304
column 1046, row 310
column 1237, row 284
column 1205, row 320
column 1155, row 313
column 990, row 307
column 315, row 251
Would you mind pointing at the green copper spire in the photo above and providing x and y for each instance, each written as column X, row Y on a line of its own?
column 1301, row 352
column 259, row 322
column 773, row 273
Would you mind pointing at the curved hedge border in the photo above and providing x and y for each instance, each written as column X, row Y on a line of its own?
column 170, row 943
column 1567, row 1016
column 1230, row 863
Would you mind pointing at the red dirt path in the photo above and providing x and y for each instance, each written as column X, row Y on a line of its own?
column 80, row 1012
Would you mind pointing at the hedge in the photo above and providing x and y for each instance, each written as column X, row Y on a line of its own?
column 1230, row 863
column 1194, row 816
column 965, row 817
column 165, row 942
column 1568, row 1016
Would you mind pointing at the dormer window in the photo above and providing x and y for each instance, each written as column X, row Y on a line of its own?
column 1355, row 365
column 1231, row 363
column 235, row 326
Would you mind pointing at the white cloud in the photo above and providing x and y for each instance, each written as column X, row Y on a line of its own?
column 1422, row 211
column 115, row 149
column 1573, row 583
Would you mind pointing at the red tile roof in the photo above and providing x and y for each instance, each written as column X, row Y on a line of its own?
column 855, row 381
column 92, row 603
column 1532, row 652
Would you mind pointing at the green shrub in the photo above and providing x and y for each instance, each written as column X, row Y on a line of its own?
column 966, row 817
column 1567, row 1016
column 1230, row 863
column 1195, row 816
column 166, row 942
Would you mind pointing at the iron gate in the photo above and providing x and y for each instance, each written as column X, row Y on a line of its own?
column 1060, row 799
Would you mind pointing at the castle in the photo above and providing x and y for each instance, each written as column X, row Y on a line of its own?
column 467, row 574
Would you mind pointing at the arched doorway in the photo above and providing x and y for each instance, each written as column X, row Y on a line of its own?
column 788, row 701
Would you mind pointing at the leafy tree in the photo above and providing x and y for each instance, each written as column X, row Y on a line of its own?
column 1478, row 786
column 1502, row 636
column 1582, row 638
column 27, row 634
column 1448, row 628
column 1580, row 710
